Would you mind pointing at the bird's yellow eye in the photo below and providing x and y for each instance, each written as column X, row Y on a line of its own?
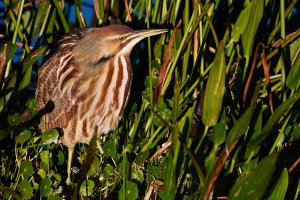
column 122, row 37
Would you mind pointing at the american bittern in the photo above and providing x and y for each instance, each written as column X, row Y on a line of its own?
column 88, row 79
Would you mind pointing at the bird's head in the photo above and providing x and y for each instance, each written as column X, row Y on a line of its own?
column 100, row 44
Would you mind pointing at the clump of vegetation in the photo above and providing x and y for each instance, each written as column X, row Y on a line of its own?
column 214, row 109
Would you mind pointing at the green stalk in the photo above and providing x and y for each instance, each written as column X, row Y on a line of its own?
column 281, row 132
column 178, row 53
column 62, row 17
column 8, row 66
column 283, row 55
column 137, row 122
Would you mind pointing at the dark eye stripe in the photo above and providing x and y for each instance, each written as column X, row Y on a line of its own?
column 102, row 60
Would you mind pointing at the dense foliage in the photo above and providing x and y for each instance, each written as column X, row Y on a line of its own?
column 213, row 113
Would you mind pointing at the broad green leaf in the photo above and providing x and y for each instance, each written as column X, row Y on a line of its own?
column 141, row 157
column 87, row 187
column 10, row 49
column 95, row 166
column 280, row 111
column 57, row 179
column 131, row 191
column 45, row 156
column 293, row 80
column 240, row 24
column 295, row 136
column 110, row 149
column 154, row 171
column 27, row 67
column 50, row 136
column 45, row 187
column 215, row 89
column 42, row 173
column 211, row 160
column 169, row 179
column 220, row 131
column 279, row 190
column 241, row 126
column 26, row 169
column 108, row 170
column 32, row 58
column 185, row 123
column 137, row 174
column 32, row 106
column 25, row 189
column 254, row 184
column 60, row 158
column 272, row 122
column 13, row 119
column 23, row 136
column 40, row 17
column 256, row 13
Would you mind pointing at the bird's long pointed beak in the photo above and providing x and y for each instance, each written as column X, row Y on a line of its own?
column 141, row 34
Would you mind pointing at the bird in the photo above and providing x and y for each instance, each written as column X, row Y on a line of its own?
column 87, row 78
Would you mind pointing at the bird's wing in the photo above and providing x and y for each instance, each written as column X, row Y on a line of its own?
column 56, row 83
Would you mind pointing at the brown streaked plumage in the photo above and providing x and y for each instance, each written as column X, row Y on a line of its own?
column 88, row 79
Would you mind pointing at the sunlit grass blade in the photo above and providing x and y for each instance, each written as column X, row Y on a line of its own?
column 253, row 185
column 256, row 13
column 215, row 89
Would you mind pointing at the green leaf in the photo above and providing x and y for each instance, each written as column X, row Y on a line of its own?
column 169, row 178
column 32, row 106
column 10, row 50
column 108, row 170
column 95, row 166
column 61, row 16
column 60, row 157
column 293, row 80
column 50, row 136
column 110, row 149
column 240, row 24
column 45, row 156
column 154, row 171
column 254, row 184
column 25, row 189
column 27, row 67
column 241, row 126
column 13, row 119
column 131, row 191
column 272, row 121
column 215, row 88
column 40, row 17
column 256, row 13
column 279, row 190
column 87, row 187
column 51, row 23
column 220, row 131
column 26, row 169
column 42, row 173
column 57, row 179
column 137, row 174
column 23, row 136
column 45, row 187
column 141, row 157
